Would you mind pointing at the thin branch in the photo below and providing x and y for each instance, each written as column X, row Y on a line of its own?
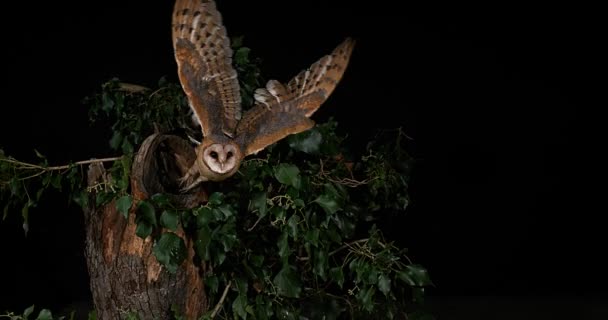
column 19, row 165
column 78, row 163
column 256, row 223
column 347, row 245
column 343, row 181
column 26, row 165
column 130, row 87
column 219, row 303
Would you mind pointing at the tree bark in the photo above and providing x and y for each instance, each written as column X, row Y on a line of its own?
column 125, row 276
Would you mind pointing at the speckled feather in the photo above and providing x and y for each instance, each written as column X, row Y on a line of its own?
column 322, row 76
column 283, row 110
column 204, row 59
column 200, row 39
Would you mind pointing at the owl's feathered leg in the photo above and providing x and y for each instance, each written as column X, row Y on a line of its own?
column 187, row 182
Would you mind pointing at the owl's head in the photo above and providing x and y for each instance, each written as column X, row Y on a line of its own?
column 218, row 160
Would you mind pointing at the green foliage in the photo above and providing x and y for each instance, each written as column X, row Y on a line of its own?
column 133, row 111
column 291, row 235
column 43, row 314
column 22, row 184
column 248, row 69
column 288, row 232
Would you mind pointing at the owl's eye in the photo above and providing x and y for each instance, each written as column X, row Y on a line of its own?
column 229, row 155
column 213, row 154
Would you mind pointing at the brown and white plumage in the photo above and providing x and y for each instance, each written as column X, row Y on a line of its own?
column 204, row 59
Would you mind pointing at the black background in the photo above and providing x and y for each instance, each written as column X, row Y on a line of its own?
column 497, row 100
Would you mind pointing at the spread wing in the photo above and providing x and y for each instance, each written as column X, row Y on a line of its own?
column 204, row 60
column 281, row 110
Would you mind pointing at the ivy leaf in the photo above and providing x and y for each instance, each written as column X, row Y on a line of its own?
column 203, row 217
column 239, row 305
column 328, row 203
column 241, row 56
column 288, row 282
column 45, row 314
column 28, row 311
column 39, row 155
column 146, row 212
column 25, row 213
column 143, row 230
column 320, row 264
column 106, row 102
column 226, row 210
column 81, row 198
column 415, row 276
column 337, row 275
column 228, row 235
column 308, row 141
column 39, row 194
column 312, row 236
column 258, row 202
column 217, row 215
column 92, row 315
column 216, row 198
column 288, row 174
column 170, row 251
column 236, row 42
column 292, row 223
column 201, row 245
column 283, row 244
column 103, row 197
column 299, row 203
column 169, row 219
column 212, row 282
column 256, row 260
column 365, row 296
column 278, row 212
column 56, row 181
column 116, row 140
column 384, row 284
column 346, row 225
column 123, row 204
column 161, row 200
column 418, row 294
column 15, row 186
column 127, row 146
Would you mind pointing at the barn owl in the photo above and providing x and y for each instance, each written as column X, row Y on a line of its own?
column 204, row 60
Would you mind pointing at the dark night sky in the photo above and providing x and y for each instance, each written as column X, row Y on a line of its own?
column 495, row 99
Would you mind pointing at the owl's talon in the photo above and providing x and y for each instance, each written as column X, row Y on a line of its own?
column 203, row 55
column 191, row 186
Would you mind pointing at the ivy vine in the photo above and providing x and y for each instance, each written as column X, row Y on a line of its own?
column 290, row 236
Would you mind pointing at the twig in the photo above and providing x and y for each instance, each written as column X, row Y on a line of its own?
column 78, row 163
column 347, row 245
column 219, row 303
column 256, row 223
column 343, row 181
column 133, row 88
column 344, row 246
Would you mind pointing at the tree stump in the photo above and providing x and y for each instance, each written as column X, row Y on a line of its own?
column 125, row 276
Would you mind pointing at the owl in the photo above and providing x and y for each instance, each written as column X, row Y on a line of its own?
column 204, row 61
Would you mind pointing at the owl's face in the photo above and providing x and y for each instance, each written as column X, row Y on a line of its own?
column 218, row 161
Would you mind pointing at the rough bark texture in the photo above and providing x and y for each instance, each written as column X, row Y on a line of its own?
column 124, row 273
